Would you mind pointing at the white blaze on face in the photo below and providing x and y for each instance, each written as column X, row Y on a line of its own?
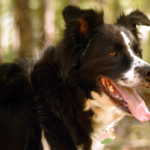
column 133, row 78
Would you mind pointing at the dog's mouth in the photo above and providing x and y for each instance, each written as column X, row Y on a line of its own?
column 126, row 99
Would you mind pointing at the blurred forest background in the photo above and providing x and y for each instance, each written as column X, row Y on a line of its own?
column 27, row 26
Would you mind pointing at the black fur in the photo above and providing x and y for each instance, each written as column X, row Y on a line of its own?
column 61, row 105
column 19, row 127
column 132, row 20
column 66, row 74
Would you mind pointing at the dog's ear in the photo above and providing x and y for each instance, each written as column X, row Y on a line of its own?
column 133, row 19
column 86, row 20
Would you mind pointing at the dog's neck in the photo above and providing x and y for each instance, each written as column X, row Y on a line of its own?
column 106, row 115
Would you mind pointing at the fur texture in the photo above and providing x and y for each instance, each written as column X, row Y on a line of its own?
column 65, row 99
column 19, row 126
column 75, row 110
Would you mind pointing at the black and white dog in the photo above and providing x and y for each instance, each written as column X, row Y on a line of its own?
column 85, row 85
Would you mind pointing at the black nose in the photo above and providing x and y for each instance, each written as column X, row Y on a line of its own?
column 146, row 73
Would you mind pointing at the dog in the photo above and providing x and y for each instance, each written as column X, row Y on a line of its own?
column 84, row 85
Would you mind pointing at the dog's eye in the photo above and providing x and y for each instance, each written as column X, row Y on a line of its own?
column 113, row 54
column 138, row 54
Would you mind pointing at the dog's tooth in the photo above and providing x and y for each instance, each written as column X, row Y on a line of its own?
column 117, row 96
column 111, row 89
column 107, row 83
column 120, row 98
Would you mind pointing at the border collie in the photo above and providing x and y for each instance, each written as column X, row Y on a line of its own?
column 84, row 85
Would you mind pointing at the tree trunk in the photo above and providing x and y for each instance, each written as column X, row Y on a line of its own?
column 40, row 14
column 23, row 22
column 1, row 58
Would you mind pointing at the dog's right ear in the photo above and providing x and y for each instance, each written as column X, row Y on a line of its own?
column 86, row 20
column 132, row 20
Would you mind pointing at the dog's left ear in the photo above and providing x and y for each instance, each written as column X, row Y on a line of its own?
column 84, row 19
column 134, row 18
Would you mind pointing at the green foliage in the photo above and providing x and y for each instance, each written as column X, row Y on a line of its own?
column 106, row 141
column 112, row 9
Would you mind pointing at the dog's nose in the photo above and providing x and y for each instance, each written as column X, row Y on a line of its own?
column 146, row 74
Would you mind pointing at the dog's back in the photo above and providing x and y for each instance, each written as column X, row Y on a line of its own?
column 19, row 128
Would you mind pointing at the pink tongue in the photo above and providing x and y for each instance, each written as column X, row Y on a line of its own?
column 135, row 103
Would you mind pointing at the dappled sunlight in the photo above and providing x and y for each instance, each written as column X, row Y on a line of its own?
column 46, row 27
column 53, row 24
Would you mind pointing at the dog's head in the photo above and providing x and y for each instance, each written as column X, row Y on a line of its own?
column 107, row 57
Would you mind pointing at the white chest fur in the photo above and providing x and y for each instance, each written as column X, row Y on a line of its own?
column 106, row 115
column 44, row 142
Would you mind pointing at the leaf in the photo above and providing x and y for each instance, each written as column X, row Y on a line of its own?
column 106, row 141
